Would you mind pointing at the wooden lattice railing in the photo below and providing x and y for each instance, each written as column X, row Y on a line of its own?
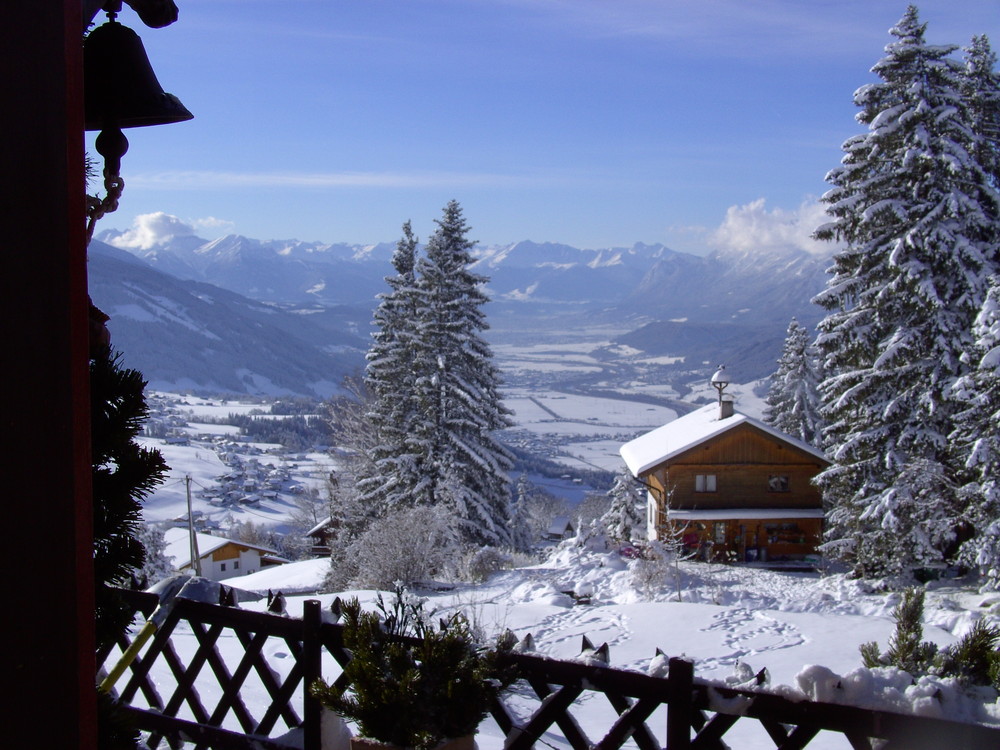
column 211, row 699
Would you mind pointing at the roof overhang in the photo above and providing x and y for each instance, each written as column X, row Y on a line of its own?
column 750, row 514
column 646, row 452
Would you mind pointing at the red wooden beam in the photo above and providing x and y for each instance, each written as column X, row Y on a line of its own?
column 45, row 417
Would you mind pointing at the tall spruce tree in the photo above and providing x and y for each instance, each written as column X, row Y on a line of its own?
column 793, row 399
column 918, row 217
column 435, row 392
column 981, row 90
column 977, row 442
column 462, row 466
column 391, row 472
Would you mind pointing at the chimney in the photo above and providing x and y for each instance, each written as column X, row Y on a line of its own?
column 725, row 408
column 719, row 382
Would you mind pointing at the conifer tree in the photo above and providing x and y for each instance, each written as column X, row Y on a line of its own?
column 918, row 217
column 977, row 444
column 625, row 520
column 435, row 392
column 123, row 474
column 521, row 536
column 461, row 465
column 793, row 399
column 391, row 470
column 981, row 90
column 156, row 565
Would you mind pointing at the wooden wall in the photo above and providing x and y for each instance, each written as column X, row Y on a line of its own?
column 743, row 462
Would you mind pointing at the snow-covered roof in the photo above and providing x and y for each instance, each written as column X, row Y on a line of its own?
column 321, row 526
column 178, row 545
column 560, row 525
column 689, row 431
column 750, row 514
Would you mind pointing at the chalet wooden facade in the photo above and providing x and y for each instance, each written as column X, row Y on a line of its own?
column 220, row 558
column 730, row 487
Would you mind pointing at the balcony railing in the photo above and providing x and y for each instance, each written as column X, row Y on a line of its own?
column 221, row 677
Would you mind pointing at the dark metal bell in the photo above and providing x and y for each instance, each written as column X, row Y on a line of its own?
column 120, row 88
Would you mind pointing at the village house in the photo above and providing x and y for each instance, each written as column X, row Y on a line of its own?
column 725, row 486
column 322, row 535
column 220, row 558
column 560, row 528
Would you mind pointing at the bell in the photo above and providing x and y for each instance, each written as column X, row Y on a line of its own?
column 120, row 88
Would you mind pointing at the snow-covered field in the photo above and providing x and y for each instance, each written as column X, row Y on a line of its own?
column 729, row 620
column 267, row 478
column 576, row 430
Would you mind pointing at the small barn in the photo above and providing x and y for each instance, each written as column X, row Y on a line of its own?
column 220, row 558
column 560, row 528
column 726, row 486
column 321, row 536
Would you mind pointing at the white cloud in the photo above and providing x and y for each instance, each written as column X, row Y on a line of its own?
column 150, row 230
column 753, row 227
column 159, row 228
column 214, row 225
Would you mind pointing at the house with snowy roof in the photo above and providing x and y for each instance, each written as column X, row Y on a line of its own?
column 560, row 528
column 220, row 558
column 730, row 487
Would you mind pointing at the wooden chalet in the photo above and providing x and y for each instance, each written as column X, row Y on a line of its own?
column 219, row 558
column 729, row 487
column 321, row 536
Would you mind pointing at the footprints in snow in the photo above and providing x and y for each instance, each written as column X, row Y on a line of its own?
column 748, row 633
column 562, row 633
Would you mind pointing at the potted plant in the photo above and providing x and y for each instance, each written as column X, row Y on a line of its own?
column 410, row 684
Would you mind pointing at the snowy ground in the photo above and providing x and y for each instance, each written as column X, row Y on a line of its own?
column 577, row 430
column 206, row 452
column 728, row 620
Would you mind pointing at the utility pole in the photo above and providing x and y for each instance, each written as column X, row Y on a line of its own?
column 195, row 557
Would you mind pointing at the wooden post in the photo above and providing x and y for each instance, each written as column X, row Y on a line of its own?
column 46, row 417
column 680, row 680
column 312, row 664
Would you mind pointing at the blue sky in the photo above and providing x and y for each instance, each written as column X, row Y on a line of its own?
column 701, row 124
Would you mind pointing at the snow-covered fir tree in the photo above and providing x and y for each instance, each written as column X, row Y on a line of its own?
column 793, row 398
column 981, row 90
column 977, row 442
column 461, row 465
column 435, row 395
column 156, row 565
column 625, row 520
column 389, row 475
column 521, row 532
column 918, row 217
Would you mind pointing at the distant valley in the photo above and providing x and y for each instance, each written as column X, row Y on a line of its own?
column 237, row 315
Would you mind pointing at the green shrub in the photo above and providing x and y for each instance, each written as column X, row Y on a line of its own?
column 973, row 660
column 411, row 684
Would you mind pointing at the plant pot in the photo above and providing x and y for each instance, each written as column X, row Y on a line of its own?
column 468, row 742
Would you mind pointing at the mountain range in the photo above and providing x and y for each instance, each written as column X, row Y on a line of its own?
column 243, row 315
column 190, row 335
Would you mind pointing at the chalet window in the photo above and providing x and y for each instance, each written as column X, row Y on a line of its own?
column 222, row 566
column 704, row 483
column 236, row 564
column 777, row 483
